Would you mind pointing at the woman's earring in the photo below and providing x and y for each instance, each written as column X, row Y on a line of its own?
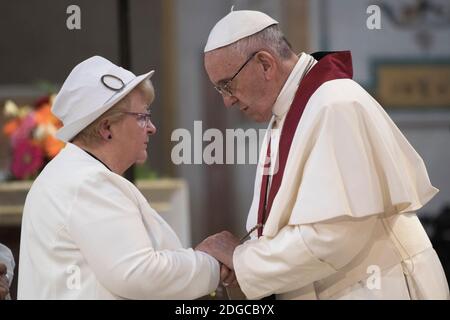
column 109, row 137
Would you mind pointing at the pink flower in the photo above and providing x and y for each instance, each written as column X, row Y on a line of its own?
column 27, row 159
column 24, row 130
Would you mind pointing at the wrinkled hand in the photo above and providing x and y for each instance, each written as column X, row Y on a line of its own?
column 4, row 284
column 221, row 246
column 228, row 277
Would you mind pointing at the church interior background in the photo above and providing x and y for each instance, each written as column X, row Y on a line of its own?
column 403, row 61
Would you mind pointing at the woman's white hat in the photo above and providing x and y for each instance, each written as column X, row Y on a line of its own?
column 93, row 86
column 237, row 25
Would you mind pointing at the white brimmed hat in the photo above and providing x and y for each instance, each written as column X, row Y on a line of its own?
column 93, row 86
column 237, row 25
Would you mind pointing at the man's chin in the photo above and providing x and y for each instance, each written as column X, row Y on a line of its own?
column 259, row 118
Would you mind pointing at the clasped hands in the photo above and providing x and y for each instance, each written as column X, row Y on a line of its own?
column 221, row 246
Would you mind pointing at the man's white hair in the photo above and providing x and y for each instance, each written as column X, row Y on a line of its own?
column 271, row 39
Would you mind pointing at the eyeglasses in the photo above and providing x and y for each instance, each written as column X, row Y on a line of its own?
column 224, row 89
column 143, row 119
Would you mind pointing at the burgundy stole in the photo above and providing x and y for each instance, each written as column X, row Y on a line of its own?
column 331, row 66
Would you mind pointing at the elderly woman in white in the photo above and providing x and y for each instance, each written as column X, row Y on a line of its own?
column 87, row 232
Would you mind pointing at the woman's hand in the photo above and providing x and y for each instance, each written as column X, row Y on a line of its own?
column 228, row 277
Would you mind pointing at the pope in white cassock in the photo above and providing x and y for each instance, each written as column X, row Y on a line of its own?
column 338, row 186
column 87, row 232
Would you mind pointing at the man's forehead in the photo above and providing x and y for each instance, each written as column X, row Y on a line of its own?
column 220, row 64
column 216, row 56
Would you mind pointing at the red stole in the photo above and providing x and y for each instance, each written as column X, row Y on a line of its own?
column 332, row 66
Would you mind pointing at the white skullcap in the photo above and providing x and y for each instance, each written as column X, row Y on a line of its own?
column 237, row 25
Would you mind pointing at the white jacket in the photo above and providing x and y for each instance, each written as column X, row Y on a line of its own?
column 88, row 233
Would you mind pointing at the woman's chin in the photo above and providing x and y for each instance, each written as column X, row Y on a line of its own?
column 142, row 158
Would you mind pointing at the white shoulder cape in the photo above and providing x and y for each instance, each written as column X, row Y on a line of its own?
column 347, row 158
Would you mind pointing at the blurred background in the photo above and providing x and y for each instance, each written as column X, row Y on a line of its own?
column 401, row 55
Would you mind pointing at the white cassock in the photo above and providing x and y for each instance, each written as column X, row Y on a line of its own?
column 343, row 223
column 88, row 233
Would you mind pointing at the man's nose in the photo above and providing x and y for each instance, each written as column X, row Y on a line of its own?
column 229, row 101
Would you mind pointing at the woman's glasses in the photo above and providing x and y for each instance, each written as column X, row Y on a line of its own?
column 143, row 119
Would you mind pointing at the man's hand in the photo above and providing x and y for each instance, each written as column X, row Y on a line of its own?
column 4, row 283
column 221, row 246
column 228, row 277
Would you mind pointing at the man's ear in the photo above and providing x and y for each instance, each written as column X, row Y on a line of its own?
column 105, row 129
column 268, row 63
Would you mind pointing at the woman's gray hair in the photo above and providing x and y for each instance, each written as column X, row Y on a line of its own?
column 271, row 39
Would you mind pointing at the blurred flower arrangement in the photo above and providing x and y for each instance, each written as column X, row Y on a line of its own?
column 31, row 133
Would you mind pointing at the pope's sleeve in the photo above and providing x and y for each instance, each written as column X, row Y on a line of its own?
column 299, row 255
column 108, row 229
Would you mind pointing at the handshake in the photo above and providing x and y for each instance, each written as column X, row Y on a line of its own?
column 221, row 246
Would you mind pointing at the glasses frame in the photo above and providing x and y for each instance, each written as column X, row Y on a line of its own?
column 225, row 89
column 140, row 116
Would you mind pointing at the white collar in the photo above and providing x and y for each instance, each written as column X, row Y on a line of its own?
column 287, row 93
